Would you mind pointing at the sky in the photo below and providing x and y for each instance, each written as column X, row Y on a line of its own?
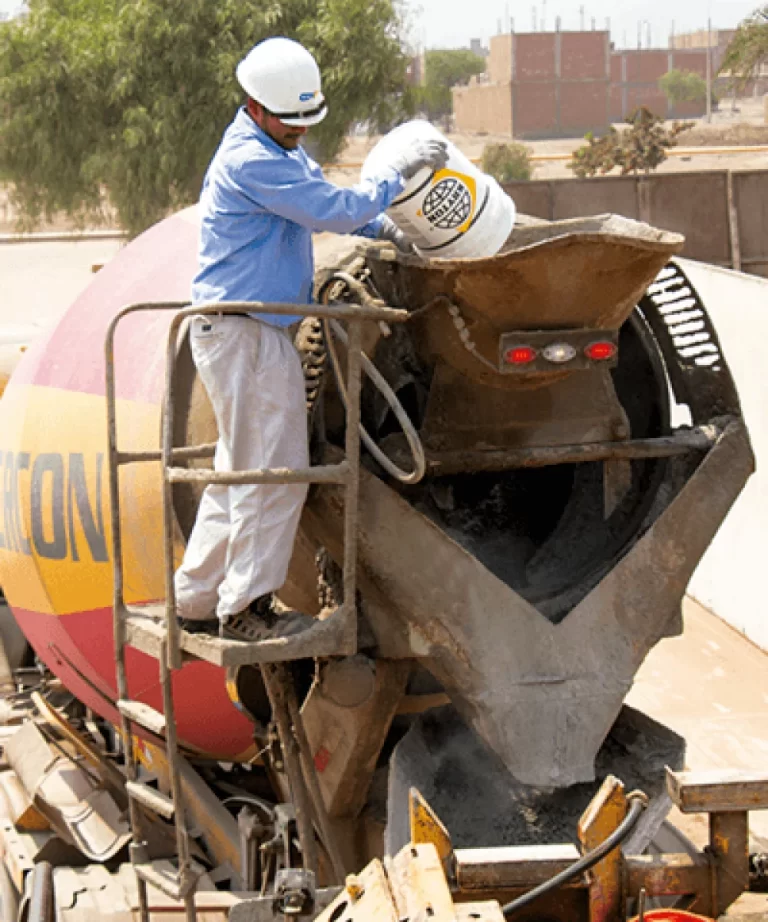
column 448, row 24
column 451, row 23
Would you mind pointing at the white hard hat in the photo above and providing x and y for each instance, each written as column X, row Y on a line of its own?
column 284, row 77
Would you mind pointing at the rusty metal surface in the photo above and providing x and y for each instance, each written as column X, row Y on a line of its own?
column 464, row 414
column 729, row 846
column 514, row 867
column 346, row 737
column 568, row 274
column 470, row 625
column 718, row 791
column 445, row 462
column 600, row 820
column 670, row 875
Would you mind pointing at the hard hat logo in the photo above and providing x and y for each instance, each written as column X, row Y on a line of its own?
column 276, row 73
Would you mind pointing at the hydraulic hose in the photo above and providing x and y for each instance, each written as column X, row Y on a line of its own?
column 637, row 803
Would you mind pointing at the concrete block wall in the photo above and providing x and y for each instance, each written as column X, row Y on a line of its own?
column 484, row 107
column 499, row 64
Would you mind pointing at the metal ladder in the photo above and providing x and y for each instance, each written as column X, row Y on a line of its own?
column 154, row 629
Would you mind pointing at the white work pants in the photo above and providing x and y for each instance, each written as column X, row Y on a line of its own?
column 242, row 541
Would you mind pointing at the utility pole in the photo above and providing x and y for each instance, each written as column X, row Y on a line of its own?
column 533, row 10
column 543, row 15
column 594, row 26
column 648, row 28
column 581, row 17
column 709, row 70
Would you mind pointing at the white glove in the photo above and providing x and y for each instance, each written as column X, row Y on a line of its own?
column 420, row 154
column 390, row 231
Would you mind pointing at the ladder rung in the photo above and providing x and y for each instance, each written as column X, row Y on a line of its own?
column 143, row 715
column 187, row 453
column 150, row 798
column 164, row 878
column 321, row 473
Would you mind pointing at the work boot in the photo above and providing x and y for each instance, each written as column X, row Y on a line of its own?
column 260, row 621
column 199, row 626
column 262, row 608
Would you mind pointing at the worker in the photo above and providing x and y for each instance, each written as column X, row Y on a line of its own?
column 262, row 198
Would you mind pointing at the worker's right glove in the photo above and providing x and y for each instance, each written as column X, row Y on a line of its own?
column 420, row 154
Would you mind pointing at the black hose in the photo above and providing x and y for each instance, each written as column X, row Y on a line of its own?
column 638, row 803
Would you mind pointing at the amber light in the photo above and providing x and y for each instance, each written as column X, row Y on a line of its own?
column 598, row 352
column 520, row 355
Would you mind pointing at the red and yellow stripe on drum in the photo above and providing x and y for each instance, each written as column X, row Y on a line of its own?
column 55, row 527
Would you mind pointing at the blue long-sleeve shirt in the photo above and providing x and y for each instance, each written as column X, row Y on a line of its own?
column 259, row 207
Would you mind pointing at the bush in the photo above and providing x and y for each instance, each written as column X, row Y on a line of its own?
column 640, row 148
column 507, row 162
column 683, row 86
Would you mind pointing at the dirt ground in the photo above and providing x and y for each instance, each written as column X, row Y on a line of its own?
column 742, row 124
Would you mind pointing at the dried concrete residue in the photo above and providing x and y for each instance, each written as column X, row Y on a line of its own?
column 482, row 805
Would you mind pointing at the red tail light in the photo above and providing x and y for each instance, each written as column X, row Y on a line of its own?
column 600, row 351
column 520, row 355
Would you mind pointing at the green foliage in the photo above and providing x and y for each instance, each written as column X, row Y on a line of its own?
column 507, row 162
column 444, row 69
column 125, row 101
column 640, row 148
column 747, row 51
column 683, row 86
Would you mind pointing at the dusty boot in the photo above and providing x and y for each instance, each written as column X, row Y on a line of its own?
column 260, row 621
column 199, row 626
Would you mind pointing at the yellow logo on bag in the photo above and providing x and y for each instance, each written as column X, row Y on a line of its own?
column 450, row 203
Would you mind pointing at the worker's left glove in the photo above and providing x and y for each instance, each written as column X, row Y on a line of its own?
column 390, row 231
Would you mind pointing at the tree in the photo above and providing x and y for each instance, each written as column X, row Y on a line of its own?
column 640, row 148
column 122, row 102
column 683, row 86
column 444, row 69
column 747, row 50
column 507, row 162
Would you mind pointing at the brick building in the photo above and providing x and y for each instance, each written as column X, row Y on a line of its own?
column 635, row 81
column 539, row 84
column 563, row 84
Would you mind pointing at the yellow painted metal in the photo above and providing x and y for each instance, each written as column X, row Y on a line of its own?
column 419, row 884
column 604, row 814
column 368, row 898
column 426, row 828
column 65, row 585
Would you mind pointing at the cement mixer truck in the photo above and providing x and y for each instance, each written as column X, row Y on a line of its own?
column 486, row 574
